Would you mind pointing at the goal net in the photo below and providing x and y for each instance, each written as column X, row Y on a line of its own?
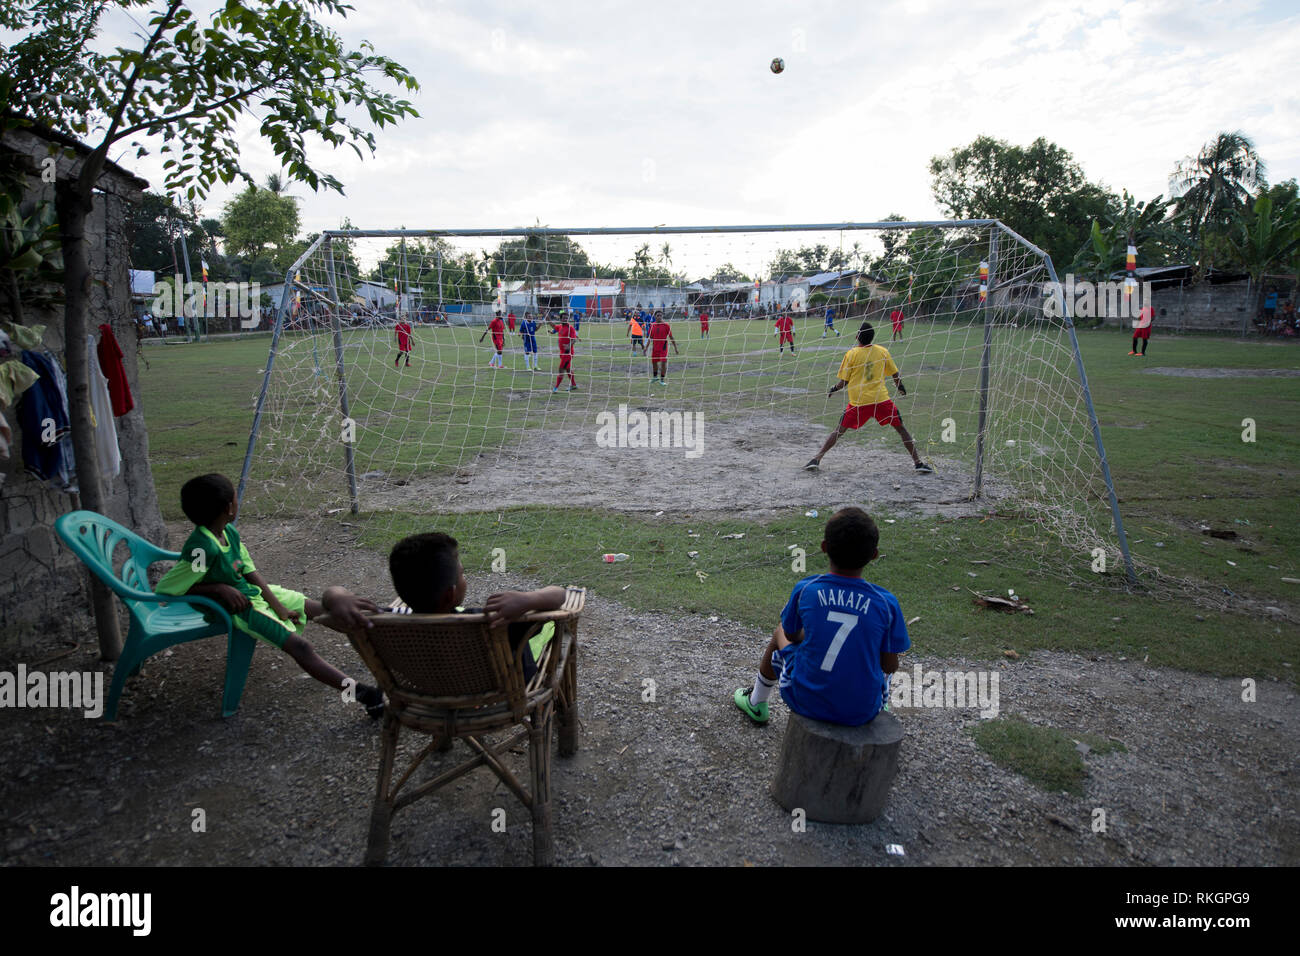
column 387, row 406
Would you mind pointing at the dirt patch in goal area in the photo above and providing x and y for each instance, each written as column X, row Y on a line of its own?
column 1223, row 372
column 715, row 471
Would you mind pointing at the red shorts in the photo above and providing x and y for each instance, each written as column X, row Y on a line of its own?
column 704, row 325
column 886, row 413
column 1142, row 333
column 657, row 356
column 786, row 337
column 498, row 342
column 564, row 362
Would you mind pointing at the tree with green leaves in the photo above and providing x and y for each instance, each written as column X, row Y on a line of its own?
column 31, row 261
column 729, row 273
column 1152, row 226
column 183, row 89
column 1264, row 237
column 548, row 257
column 257, row 221
column 153, row 225
column 1037, row 190
column 1216, row 184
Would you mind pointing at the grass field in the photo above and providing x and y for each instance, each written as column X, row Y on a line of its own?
column 1174, row 443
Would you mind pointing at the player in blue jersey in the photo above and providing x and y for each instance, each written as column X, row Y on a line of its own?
column 528, row 329
column 830, row 322
column 839, row 636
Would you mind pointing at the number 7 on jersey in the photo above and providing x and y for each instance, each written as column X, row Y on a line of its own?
column 847, row 623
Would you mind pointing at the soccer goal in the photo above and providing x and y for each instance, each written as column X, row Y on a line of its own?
column 569, row 390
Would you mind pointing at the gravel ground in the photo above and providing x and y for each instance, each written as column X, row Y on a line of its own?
column 1205, row 778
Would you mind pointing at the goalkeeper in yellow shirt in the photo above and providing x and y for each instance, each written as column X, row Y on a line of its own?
column 863, row 370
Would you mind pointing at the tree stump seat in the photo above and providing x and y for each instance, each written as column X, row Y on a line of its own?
column 838, row 774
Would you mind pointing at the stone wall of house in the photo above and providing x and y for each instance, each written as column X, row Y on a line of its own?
column 42, row 586
column 1227, row 307
column 1206, row 307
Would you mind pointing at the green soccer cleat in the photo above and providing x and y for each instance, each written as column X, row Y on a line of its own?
column 755, row 712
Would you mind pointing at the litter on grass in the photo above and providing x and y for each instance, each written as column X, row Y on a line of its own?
column 894, row 849
column 1011, row 605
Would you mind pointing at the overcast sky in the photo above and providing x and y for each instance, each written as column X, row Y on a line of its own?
column 643, row 113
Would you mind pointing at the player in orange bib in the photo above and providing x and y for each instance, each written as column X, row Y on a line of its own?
column 863, row 370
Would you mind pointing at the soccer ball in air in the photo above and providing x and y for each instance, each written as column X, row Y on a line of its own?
column 778, row 64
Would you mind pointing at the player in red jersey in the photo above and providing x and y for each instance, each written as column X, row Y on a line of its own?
column 510, row 321
column 785, row 329
column 403, row 330
column 568, row 335
column 661, row 333
column 498, row 330
column 896, row 316
column 704, row 324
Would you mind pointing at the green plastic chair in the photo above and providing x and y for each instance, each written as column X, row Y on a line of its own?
column 158, row 621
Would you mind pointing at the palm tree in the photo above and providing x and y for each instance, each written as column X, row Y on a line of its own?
column 641, row 261
column 1213, row 185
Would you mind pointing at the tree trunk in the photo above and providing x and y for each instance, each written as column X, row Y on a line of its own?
column 73, row 209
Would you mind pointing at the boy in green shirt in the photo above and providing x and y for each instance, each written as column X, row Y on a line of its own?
column 215, row 564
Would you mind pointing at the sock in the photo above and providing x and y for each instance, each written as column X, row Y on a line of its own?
column 762, row 690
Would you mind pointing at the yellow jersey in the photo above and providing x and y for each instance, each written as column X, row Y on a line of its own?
column 865, row 369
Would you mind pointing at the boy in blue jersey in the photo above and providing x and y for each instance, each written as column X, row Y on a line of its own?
column 528, row 329
column 839, row 636
column 830, row 322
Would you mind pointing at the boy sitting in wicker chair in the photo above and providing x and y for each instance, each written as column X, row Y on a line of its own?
column 430, row 579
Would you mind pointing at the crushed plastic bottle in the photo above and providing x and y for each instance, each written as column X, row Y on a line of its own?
column 810, row 514
column 611, row 558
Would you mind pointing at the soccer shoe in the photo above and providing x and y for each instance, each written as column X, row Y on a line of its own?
column 755, row 712
column 813, row 465
column 573, row 388
column 923, row 469
column 554, row 390
column 1132, row 353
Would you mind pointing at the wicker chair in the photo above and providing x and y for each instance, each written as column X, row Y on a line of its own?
column 450, row 676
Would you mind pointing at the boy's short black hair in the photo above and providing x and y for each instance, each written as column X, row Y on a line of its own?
column 205, row 498
column 423, row 566
column 866, row 333
column 851, row 538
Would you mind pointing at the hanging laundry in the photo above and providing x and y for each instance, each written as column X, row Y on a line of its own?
column 43, row 418
column 110, row 361
column 101, row 405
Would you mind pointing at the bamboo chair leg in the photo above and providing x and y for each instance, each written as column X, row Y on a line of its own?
column 567, row 709
column 539, row 755
column 381, row 817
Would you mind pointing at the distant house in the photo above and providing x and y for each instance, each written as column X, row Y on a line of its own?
column 580, row 295
column 375, row 296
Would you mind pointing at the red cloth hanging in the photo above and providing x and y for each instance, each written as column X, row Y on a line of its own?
column 110, row 361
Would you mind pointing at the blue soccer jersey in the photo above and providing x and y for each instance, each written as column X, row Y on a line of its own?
column 528, row 329
column 834, row 674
